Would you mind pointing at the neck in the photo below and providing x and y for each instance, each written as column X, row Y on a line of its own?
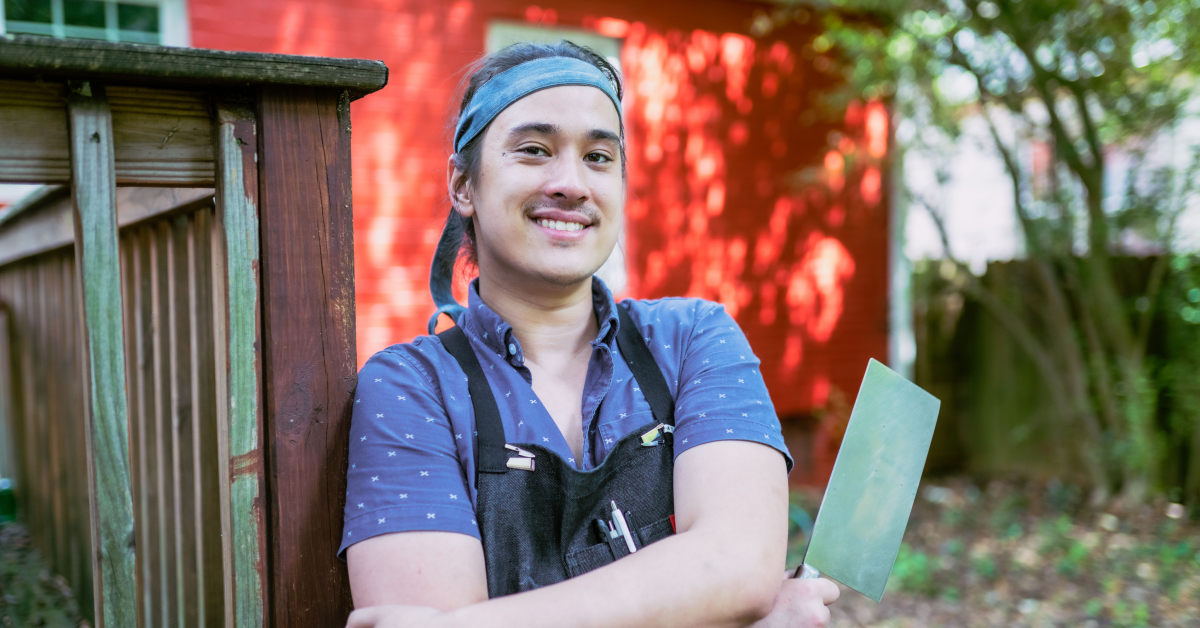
column 553, row 323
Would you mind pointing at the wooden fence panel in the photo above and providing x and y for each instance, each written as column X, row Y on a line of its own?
column 51, row 277
column 79, row 539
column 46, row 400
column 162, row 416
column 146, row 490
column 130, row 266
column 167, row 287
column 39, row 399
column 181, row 420
column 206, row 497
column 8, row 464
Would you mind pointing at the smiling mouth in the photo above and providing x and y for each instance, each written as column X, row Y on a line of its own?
column 559, row 225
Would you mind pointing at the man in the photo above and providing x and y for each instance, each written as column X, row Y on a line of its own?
column 558, row 459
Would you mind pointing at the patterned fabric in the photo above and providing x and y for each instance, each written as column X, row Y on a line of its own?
column 517, row 82
column 412, row 433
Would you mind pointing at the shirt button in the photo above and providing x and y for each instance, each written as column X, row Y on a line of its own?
column 512, row 349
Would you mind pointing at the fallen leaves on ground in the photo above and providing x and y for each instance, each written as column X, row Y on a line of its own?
column 29, row 594
column 1022, row 554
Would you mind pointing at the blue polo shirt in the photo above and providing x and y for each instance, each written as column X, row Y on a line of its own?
column 413, row 430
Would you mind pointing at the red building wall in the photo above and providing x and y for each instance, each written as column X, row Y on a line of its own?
column 741, row 189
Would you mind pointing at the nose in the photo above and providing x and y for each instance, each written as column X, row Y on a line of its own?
column 568, row 180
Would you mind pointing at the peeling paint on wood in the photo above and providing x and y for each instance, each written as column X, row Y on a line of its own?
column 238, row 426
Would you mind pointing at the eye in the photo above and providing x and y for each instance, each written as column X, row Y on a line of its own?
column 599, row 158
column 534, row 150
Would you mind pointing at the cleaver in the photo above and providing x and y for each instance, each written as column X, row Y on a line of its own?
column 865, row 508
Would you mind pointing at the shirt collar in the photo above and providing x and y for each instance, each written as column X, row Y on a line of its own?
column 496, row 334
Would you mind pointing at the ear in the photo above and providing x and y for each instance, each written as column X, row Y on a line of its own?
column 459, row 189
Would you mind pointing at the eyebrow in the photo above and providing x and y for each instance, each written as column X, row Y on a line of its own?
column 546, row 128
column 603, row 135
column 534, row 128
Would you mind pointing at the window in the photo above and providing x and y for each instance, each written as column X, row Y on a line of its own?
column 139, row 21
column 501, row 34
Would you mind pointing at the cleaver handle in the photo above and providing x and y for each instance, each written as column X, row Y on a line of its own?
column 806, row 572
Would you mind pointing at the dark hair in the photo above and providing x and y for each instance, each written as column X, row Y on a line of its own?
column 459, row 237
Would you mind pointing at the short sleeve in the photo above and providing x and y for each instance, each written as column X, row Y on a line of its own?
column 405, row 474
column 722, row 394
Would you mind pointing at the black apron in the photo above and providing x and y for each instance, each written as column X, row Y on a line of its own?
column 543, row 525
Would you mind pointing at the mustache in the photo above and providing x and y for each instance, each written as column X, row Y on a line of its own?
column 581, row 207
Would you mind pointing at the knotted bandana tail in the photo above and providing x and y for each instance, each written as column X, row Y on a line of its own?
column 441, row 272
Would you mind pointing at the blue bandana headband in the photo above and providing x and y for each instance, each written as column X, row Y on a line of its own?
column 493, row 97
column 520, row 81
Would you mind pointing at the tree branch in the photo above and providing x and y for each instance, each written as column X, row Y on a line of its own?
column 1158, row 272
column 1090, row 133
column 1009, row 319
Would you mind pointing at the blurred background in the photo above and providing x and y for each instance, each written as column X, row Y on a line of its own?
column 998, row 199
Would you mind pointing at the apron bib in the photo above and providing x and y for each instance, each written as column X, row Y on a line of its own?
column 542, row 520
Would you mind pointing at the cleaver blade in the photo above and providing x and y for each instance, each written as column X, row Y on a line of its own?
column 870, row 494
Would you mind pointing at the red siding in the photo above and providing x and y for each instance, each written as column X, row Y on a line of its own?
column 741, row 190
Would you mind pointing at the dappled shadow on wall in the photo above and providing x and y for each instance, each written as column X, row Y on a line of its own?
column 742, row 191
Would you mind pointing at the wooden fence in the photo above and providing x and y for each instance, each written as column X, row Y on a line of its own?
column 167, row 285
column 180, row 355
column 46, row 394
column 999, row 420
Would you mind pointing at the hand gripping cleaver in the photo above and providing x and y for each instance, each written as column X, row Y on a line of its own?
column 875, row 477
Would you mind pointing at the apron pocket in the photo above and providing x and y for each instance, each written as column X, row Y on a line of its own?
column 584, row 560
column 656, row 531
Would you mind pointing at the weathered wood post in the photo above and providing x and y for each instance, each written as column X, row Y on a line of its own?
column 240, row 435
column 94, row 191
column 310, row 367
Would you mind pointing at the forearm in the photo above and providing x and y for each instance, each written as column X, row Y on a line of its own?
column 704, row 577
column 721, row 569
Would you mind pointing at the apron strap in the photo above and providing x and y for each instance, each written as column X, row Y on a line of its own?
column 645, row 369
column 490, row 456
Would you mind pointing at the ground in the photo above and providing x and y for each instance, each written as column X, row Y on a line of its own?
column 29, row 594
column 1032, row 554
column 975, row 554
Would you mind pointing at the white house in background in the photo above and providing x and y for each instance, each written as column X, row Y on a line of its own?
column 977, row 200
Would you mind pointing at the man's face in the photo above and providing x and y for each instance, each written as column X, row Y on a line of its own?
column 549, row 198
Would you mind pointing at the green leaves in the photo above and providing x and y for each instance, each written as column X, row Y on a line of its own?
column 912, row 572
column 1128, row 54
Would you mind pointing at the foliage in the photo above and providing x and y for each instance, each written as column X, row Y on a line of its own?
column 1082, row 82
column 800, row 524
column 912, row 571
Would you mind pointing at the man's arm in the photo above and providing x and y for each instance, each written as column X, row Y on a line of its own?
column 720, row 569
column 443, row 570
